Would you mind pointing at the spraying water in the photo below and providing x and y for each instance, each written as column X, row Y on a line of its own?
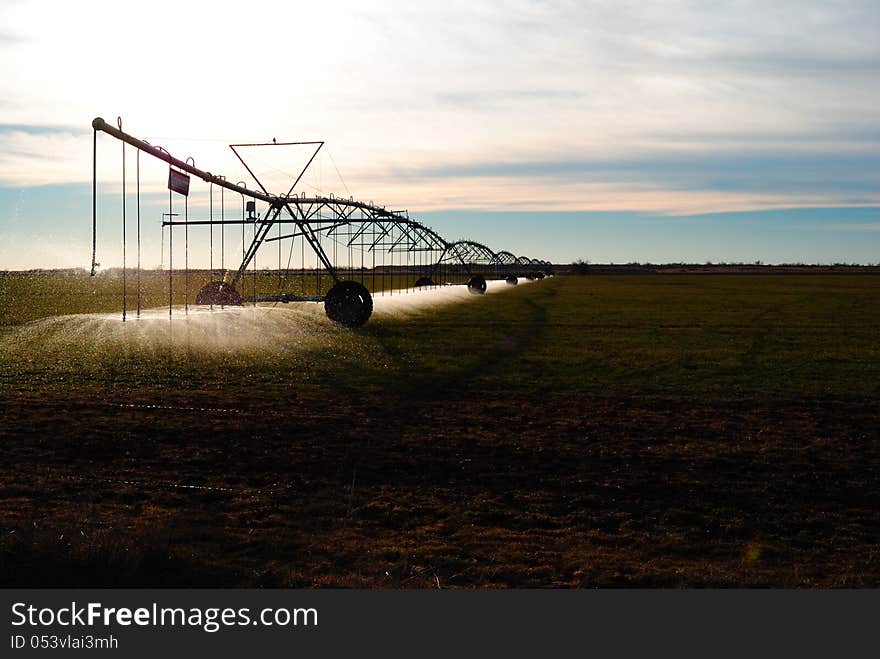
column 266, row 329
column 417, row 301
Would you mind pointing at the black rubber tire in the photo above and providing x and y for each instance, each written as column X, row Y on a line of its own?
column 424, row 281
column 539, row 276
column 477, row 285
column 218, row 293
column 348, row 303
column 512, row 280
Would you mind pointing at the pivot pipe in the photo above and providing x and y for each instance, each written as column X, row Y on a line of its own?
column 99, row 124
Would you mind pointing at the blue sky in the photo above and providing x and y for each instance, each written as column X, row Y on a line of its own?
column 610, row 131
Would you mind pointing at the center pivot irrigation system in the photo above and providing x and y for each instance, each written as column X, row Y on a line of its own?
column 337, row 251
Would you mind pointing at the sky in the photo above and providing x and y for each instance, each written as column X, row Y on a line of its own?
column 606, row 131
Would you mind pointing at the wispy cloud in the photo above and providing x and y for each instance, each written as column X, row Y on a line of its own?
column 10, row 38
column 866, row 227
column 851, row 137
column 38, row 155
column 42, row 129
column 853, row 178
column 498, row 99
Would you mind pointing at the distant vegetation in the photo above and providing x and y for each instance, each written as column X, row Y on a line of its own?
column 584, row 267
column 580, row 267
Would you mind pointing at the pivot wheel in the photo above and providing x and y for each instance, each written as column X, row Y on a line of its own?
column 424, row 281
column 477, row 285
column 512, row 280
column 219, row 293
column 348, row 303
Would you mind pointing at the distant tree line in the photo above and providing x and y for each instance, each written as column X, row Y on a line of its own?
column 584, row 266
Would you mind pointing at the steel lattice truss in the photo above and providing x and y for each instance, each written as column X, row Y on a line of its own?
column 352, row 241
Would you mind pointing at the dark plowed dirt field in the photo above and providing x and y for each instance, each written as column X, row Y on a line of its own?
column 656, row 431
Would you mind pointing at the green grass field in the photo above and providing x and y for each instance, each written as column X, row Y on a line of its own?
column 656, row 430
column 30, row 296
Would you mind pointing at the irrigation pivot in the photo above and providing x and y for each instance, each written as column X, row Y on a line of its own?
column 329, row 249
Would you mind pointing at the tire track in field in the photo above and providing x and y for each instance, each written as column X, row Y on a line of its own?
column 408, row 392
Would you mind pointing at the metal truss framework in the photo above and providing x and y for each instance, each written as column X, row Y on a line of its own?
column 346, row 235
